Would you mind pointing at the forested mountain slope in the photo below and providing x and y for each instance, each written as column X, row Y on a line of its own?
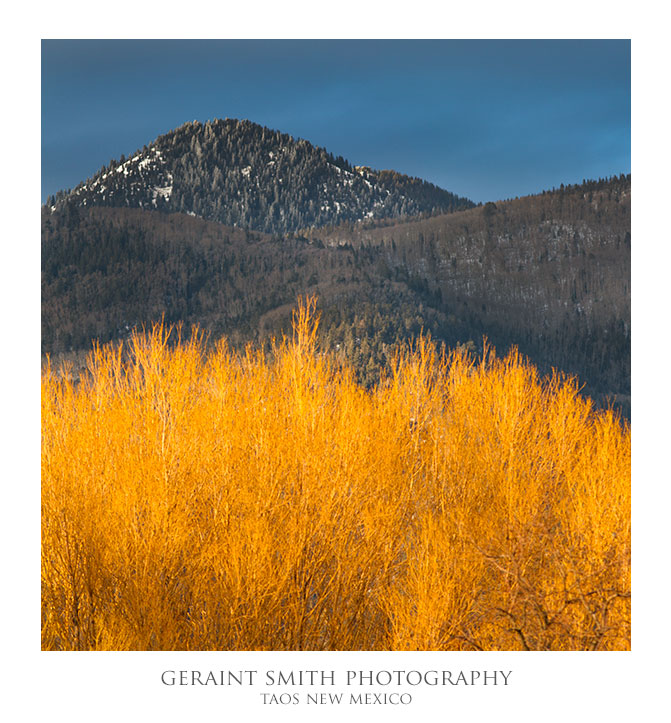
column 242, row 174
column 106, row 271
column 548, row 273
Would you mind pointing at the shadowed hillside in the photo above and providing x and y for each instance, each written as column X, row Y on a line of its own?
column 548, row 273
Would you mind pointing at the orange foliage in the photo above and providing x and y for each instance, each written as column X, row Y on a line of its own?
column 214, row 501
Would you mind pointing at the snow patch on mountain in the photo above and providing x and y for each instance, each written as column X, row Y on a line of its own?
column 162, row 191
column 145, row 175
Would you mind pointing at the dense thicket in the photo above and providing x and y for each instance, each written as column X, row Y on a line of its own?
column 548, row 273
column 195, row 501
column 242, row 174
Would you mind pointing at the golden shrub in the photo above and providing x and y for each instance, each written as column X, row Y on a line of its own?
column 216, row 501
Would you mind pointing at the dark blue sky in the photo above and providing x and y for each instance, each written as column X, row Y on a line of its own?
column 484, row 119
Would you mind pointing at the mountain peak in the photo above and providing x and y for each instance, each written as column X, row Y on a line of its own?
column 243, row 174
